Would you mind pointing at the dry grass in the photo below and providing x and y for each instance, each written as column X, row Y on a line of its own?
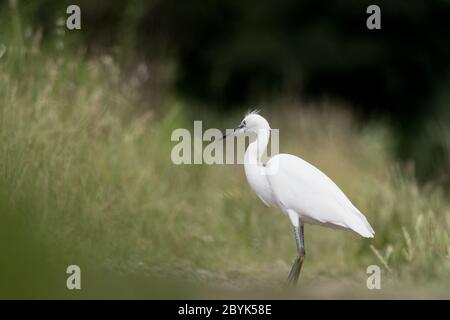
column 86, row 178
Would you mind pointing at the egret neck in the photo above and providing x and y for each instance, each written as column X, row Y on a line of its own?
column 255, row 171
column 257, row 148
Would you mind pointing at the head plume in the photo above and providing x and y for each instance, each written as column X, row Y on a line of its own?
column 254, row 111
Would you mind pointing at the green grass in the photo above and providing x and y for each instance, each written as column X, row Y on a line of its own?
column 86, row 178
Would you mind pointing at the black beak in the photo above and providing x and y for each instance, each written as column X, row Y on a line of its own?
column 234, row 130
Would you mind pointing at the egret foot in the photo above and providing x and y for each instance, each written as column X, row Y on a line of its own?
column 300, row 241
column 295, row 270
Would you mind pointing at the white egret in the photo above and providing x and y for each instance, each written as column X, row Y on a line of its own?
column 303, row 192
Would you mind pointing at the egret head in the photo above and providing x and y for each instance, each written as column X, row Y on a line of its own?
column 251, row 123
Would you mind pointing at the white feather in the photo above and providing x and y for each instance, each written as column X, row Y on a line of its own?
column 297, row 187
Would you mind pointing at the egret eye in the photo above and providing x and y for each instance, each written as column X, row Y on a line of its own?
column 244, row 123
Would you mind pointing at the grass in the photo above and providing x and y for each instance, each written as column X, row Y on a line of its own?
column 86, row 178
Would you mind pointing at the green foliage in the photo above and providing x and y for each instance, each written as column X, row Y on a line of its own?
column 86, row 178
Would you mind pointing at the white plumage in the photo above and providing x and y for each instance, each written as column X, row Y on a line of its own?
column 304, row 189
column 299, row 189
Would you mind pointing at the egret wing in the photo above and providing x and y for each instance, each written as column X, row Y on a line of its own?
column 301, row 187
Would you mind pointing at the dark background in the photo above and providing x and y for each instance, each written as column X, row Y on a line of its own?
column 230, row 53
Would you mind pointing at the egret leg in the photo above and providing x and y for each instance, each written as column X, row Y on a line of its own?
column 297, row 266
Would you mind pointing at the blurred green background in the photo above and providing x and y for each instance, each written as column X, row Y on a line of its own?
column 86, row 118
